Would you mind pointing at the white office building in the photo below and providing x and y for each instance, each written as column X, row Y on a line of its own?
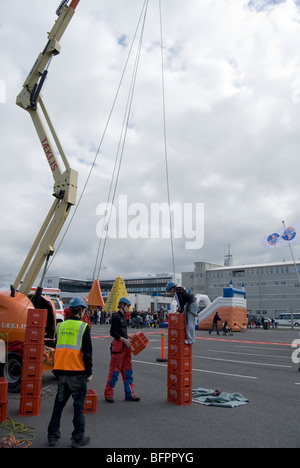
column 271, row 289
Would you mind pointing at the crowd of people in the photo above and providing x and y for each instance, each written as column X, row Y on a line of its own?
column 135, row 319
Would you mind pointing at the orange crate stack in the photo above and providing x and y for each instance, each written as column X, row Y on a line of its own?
column 181, row 397
column 31, row 388
column 176, row 336
column 36, row 317
column 3, row 399
column 180, row 381
column 177, row 322
column 179, row 350
column 180, row 365
column 30, row 406
column 33, row 352
column 179, row 362
column 32, row 368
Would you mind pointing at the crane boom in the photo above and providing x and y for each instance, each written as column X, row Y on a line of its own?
column 65, row 178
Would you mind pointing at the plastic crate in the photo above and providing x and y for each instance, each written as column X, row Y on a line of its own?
column 37, row 317
column 179, row 350
column 179, row 365
column 3, row 390
column 30, row 406
column 138, row 343
column 3, row 411
column 32, row 370
column 177, row 321
column 176, row 336
column 33, row 352
column 91, row 402
column 180, row 381
column 31, row 388
column 35, row 335
column 180, row 397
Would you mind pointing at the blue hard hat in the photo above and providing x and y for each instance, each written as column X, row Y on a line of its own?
column 125, row 300
column 77, row 301
column 170, row 285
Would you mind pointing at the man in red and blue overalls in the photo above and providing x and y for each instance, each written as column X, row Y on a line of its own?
column 120, row 355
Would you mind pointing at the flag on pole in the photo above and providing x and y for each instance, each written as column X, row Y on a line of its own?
column 282, row 236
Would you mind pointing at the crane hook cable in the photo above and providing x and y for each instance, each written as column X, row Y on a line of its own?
column 166, row 158
column 101, row 140
column 145, row 7
column 123, row 136
column 165, row 139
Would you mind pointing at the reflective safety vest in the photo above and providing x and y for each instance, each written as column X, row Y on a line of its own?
column 68, row 354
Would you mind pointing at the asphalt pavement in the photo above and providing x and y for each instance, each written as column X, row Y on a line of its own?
column 258, row 364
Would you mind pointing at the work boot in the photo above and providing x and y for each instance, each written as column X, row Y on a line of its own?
column 134, row 398
column 77, row 444
column 52, row 442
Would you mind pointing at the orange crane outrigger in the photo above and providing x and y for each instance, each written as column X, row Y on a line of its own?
column 15, row 303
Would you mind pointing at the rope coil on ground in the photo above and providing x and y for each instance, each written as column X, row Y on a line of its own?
column 12, row 439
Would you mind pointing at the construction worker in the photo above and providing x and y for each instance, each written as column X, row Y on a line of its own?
column 120, row 355
column 186, row 303
column 73, row 367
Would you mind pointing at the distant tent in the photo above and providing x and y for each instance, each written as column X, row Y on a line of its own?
column 117, row 291
column 95, row 298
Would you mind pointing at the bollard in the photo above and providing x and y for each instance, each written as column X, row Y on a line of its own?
column 163, row 357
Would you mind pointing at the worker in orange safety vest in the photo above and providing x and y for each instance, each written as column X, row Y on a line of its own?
column 73, row 367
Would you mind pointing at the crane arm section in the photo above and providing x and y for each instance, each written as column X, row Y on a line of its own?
column 65, row 178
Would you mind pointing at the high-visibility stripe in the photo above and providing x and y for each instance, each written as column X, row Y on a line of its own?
column 78, row 344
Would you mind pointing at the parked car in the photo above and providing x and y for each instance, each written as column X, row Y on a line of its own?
column 286, row 320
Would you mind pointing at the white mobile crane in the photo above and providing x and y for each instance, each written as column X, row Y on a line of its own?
column 15, row 303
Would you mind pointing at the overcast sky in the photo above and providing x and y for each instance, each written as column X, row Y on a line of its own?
column 232, row 99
